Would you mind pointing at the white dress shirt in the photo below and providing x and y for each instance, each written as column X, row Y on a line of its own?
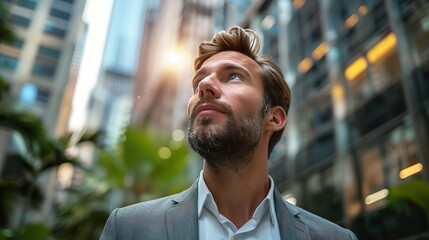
column 213, row 225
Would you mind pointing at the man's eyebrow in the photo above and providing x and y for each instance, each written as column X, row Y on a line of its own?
column 232, row 66
column 223, row 67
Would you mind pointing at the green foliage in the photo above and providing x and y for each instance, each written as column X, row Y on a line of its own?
column 19, row 188
column 139, row 171
column 83, row 216
column 133, row 171
column 414, row 191
column 35, row 231
column 4, row 88
column 7, row 33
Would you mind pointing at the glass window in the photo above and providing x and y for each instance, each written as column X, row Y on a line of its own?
column 377, row 112
column 30, row 4
column 372, row 172
column 67, row 1
column 375, row 70
column 350, row 185
column 19, row 20
column 42, row 96
column 360, row 21
column 401, row 151
column 59, row 14
column 26, row 4
column 43, row 70
column 269, row 25
column 54, row 31
column 322, row 195
column 309, row 23
column 416, row 20
column 17, row 43
column 49, row 52
column 8, row 61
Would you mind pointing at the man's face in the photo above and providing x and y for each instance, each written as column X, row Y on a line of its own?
column 226, row 110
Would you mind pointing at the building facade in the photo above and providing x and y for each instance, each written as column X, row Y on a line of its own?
column 111, row 99
column 172, row 33
column 37, row 64
column 358, row 126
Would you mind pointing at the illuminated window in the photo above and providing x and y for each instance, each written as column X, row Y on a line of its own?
column 372, row 172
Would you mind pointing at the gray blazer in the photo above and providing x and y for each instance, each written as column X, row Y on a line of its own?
column 175, row 217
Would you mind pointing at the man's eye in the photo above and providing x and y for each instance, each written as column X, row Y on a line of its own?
column 233, row 77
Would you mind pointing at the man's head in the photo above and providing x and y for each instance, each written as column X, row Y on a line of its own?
column 240, row 47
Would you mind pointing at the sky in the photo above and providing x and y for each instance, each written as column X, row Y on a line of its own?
column 96, row 15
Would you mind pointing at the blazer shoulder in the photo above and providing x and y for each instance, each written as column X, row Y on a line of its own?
column 146, row 219
column 321, row 228
column 146, row 208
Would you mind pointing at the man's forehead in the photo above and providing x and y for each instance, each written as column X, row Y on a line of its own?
column 229, row 59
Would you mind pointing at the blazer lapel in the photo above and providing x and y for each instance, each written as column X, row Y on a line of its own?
column 289, row 224
column 182, row 219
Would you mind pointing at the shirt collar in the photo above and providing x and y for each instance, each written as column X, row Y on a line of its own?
column 205, row 199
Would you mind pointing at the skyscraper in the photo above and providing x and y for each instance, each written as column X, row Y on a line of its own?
column 111, row 99
column 37, row 64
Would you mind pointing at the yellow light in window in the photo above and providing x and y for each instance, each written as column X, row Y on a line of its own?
column 338, row 92
column 298, row 3
column 409, row 171
column 351, row 21
column 381, row 48
column 320, row 50
column 305, row 64
column 363, row 10
column 377, row 196
column 356, row 68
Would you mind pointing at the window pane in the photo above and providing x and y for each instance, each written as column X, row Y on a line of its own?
column 67, row 1
column 49, row 52
column 19, row 20
column 322, row 195
column 8, row 61
column 42, row 96
column 26, row 4
column 54, row 31
column 43, row 70
column 60, row 14
column 372, row 172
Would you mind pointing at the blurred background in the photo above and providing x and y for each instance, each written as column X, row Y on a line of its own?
column 93, row 101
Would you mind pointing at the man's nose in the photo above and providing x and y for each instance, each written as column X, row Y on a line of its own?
column 208, row 87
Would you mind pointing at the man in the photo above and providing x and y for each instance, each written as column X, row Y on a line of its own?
column 236, row 116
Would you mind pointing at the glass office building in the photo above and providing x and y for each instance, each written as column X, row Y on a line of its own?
column 37, row 64
column 358, row 126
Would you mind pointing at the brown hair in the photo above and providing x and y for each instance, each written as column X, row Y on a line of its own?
column 248, row 42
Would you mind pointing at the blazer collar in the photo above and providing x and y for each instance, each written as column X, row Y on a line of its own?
column 182, row 217
column 291, row 227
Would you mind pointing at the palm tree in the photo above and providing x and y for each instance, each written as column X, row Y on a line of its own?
column 41, row 154
column 132, row 172
column 6, row 29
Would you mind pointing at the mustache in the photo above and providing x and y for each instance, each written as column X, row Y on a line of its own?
column 221, row 105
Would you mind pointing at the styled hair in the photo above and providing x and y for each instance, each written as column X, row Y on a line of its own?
column 248, row 42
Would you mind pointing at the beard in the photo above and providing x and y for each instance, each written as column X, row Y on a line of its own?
column 230, row 147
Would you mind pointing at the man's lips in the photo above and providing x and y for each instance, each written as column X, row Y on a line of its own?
column 208, row 108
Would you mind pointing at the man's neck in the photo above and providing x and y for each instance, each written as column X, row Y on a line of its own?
column 238, row 193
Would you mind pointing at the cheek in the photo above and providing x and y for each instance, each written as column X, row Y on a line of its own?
column 190, row 106
column 251, row 102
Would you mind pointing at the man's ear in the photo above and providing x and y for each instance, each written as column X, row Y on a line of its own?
column 277, row 118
